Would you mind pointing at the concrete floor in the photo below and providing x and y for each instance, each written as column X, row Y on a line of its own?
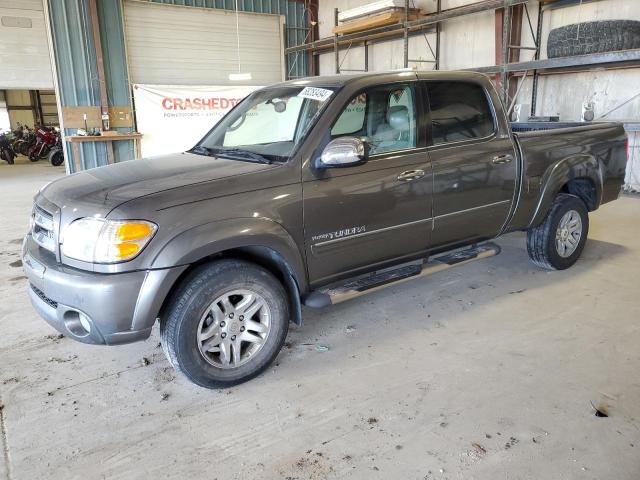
column 485, row 372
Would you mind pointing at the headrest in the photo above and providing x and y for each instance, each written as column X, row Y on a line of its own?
column 398, row 117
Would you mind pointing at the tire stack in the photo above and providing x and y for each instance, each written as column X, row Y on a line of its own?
column 593, row 37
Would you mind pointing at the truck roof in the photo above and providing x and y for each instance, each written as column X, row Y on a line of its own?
column 374, row 78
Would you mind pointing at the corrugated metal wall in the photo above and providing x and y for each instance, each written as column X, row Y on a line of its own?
column 76, row 63
column 75, row 67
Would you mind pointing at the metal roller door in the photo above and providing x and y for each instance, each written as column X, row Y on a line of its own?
column 175, row 45
column 24, row 50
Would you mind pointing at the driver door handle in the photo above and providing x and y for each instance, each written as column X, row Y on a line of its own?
column 410, row 175
column 500, row 159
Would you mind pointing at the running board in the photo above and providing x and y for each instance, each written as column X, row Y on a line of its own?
column 337, row 293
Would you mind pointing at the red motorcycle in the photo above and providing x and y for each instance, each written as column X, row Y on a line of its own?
column 46, row 139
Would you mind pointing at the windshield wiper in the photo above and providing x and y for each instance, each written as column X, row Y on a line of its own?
column 242, row 155
column 232, row 153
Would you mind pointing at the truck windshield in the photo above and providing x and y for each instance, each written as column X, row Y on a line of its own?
column 267, row 126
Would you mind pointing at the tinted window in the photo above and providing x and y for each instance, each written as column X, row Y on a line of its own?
column 384, row 116
column 351, row 120
column 459, row 111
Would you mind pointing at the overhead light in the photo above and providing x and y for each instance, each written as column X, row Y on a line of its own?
column 238, row 77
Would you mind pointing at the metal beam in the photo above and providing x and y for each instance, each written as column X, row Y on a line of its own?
column 592, row 59
column 438, row 28
column 336, row 47
column 538, row 40
column 428, row 21
column 405, row 34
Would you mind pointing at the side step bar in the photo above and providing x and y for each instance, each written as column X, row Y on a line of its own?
column 337, row 293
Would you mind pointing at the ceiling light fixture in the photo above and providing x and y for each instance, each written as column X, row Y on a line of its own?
column 239, row 77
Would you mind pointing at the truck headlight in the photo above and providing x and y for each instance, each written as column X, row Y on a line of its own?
column 97, row 240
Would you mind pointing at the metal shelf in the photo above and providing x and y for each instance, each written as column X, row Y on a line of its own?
column 583, row 62
column 428, row 22
column 509, row 15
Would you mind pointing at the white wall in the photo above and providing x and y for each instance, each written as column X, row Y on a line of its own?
column 4, row 115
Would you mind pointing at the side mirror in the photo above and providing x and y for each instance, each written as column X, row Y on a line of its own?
column 343, row 152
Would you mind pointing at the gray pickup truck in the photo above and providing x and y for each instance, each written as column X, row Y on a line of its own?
column 309, row 192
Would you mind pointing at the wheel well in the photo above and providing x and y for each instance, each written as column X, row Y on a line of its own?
column 263, row 256
column 584, row 189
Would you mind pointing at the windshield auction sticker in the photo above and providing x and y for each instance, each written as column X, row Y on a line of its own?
column 314, row 93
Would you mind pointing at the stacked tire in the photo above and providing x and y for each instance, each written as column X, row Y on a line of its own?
column 593, row 37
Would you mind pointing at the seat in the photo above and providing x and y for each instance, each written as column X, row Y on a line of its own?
column 394, row 133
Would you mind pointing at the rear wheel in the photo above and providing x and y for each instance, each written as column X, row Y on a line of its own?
column 557, row 242
column 225, row 324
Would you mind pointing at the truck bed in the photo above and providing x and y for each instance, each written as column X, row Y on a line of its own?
column 543, row 145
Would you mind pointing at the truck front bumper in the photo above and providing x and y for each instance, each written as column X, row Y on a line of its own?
column 95, row 308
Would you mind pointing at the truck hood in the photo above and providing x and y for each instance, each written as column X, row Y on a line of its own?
column 104, row 188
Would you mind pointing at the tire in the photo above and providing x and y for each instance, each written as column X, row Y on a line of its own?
column 23, row 148
column 8, row 156
column 542, row 240
column 191, row 314
column 34, row 157
column 593, row 37
column 56, row 157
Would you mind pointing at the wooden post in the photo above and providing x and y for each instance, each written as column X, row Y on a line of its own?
column 104, row 100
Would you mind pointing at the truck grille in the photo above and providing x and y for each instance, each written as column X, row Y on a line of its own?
column 43, row 297
column 42, row 230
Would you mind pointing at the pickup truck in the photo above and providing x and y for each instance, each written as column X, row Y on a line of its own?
column 308, row 192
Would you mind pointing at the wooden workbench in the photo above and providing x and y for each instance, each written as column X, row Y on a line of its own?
column 76, row 140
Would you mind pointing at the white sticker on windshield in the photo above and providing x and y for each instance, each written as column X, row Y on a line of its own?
column 315, row 93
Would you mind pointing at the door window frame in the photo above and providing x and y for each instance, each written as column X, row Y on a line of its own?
column 420, row 111
column 429, row 125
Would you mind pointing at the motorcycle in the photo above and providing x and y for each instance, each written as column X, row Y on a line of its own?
column 6, row 151
column 24, row 138
column 46, row 138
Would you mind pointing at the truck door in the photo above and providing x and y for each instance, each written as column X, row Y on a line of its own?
column 367, row 214
column 474, row 163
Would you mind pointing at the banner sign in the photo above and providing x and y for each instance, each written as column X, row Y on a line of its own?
column 174, row 118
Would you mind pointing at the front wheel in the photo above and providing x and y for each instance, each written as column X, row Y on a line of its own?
column 56, row 157
column 556, row 244
column 225, row 324
column 8, row 155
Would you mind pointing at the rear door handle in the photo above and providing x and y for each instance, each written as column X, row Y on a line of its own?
column 499, row 159
column 410, row 175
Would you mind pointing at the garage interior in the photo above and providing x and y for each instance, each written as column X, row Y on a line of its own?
column 496, row 369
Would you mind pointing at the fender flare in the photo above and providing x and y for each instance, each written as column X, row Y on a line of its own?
column 241, row 234
column 561, row 173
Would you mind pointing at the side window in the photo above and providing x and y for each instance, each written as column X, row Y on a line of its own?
column 384, row 116
column 351, row 120
column 459, row 111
